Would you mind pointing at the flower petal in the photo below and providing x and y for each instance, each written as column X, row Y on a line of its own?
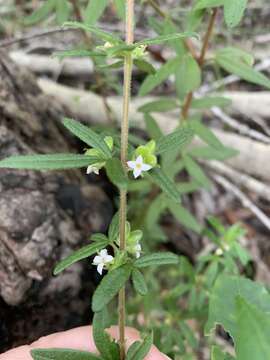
column 137, row 172
column 146, row 167
column 108, row 259
column 103, row 253
column 97, row 260
column 139, row 160
column 131, row 164
column 100, row 268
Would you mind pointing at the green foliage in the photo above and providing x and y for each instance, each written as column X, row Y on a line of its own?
column 110, row 286
column 80, row 254
column 154, row 259
column 116, row 173
column 94, row 10
column 178, row 139
column 140, row 349
column 108, row 348
column 48, row 162
column 165, row 183
column 139, row 282
column 188, row 75
column 62, row 354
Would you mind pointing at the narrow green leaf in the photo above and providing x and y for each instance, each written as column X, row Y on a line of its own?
column 108, row 348
column 178, row 139
column 88, row 136
column 152, row 127
column 77, row 53
column 110, row 286
column 239, row 67
column 209, row 101
column 98, row 237
column 116, row 174
column 234, row 11
column 48, row 162
column 209, row 153
column 80, row 254
column 165, row 183
column 196, row 172
column 139, row 282
column 120, row 8
column 140, row 349
column 114, row 228
column 145, row 66
column 188, row 75
column 62, row 11
column 161, row 105
column 62, row 354
column 163, row 38
column 41, row 13
column 106, row 36
column 161, row 74
column 154, row 259
column 94, row 10
column 205, row 134
column 184, row 217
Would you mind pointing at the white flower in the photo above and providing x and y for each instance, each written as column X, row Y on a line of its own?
column 138, row 166
column 102, row 259
column 92, row 169
column 137, row 249
column 219, row 252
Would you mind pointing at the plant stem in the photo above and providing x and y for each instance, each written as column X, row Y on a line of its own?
column 201, row 59
column 124, row 146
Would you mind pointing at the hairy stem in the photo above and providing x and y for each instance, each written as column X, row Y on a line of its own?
column 124, row 147
column 201, row 59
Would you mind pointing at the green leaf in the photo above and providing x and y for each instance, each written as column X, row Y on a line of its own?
column 105, row 36
column 140, row 349
column 196, row 172
column 108, row 348
column 139, row 282
column 178, row 139
column 116, row 174
column 152, row 127
column 98, row 237
column 62, row 354
column 161, row 105
column 94, row 10
column 222, row 301
column 114, row 228
column 110, row 286
column 184, row 217
column 163, row 38
column 62, row 11
column 88, row 136
column 203, row 4
column 161, row 74
column 205, row 134
column 41, row 13
column 165, row 183
column 240, row 68
column 238, row 54
column 155, row 259
column 77, row 53
column 234, row 11
column 48, row 162
column 253, row 332
column 209, row 101
column 209, row 153
column 120, row 8
column 188, row 75
column 80, row 254
column 145, row 66
column 154, row 211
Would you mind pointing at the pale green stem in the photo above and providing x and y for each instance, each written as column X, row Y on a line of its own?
column 124, row 148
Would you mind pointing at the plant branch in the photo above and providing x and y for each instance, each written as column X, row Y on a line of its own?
column 124, row 146
column 201, row 60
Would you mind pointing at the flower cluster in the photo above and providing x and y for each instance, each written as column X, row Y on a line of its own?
column 94, row 168
column 144, row 159
column 105, row 261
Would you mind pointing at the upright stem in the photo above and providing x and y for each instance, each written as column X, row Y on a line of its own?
column 124, row 146
column 201, row 60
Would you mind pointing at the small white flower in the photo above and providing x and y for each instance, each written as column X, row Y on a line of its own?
column 92, row 169
column 138, row 166
column 138, row 250
column 102, row 259
column 219, row 252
